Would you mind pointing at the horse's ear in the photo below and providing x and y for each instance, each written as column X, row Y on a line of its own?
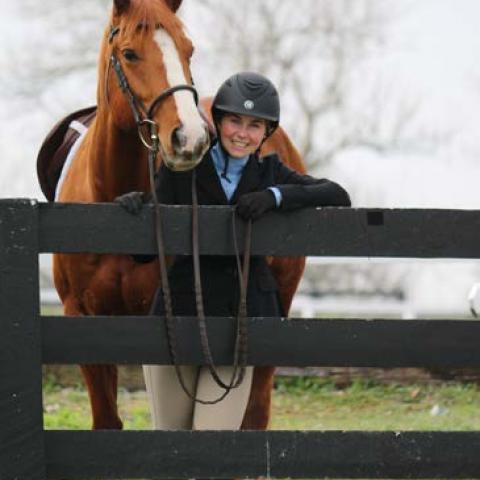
column 173, row 5
column 121, row 6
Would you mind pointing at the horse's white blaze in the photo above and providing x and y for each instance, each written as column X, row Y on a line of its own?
column 193, row 125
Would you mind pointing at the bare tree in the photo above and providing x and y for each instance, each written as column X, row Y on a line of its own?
column 60, row 39
column 319, row 52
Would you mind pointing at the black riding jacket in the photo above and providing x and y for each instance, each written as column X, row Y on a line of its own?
column 219, row 274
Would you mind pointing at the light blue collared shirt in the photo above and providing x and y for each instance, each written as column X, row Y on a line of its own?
column 235, row 170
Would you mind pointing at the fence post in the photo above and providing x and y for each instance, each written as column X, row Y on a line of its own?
column 22, row 451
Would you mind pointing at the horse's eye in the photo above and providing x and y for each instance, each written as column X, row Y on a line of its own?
column 130, row 55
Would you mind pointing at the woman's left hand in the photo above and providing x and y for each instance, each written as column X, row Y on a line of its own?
column 251, row 206
column 132, row 202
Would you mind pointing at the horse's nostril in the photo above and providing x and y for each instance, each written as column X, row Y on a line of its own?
column 200, row 147
column 179, row 139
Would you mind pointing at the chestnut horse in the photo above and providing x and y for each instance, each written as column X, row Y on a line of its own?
column 147, row 41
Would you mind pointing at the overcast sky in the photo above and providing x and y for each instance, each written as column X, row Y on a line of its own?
column 438, row 46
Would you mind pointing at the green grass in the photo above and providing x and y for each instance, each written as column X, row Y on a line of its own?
column 318, row 405
column 304, row 403
column 56, row 310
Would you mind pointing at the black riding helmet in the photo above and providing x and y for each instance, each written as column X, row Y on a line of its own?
column 248, row 93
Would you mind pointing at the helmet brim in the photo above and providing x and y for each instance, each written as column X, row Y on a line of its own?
column 244, row 111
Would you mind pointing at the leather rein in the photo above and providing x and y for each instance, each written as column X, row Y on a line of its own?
column 144, row 118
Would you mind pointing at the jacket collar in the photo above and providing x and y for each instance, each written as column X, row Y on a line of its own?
column 250, row 179
column 207, row 178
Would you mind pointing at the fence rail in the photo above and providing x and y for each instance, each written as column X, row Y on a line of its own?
column 270, row 454
column 27, row 340
column 272, row 341
column 338, row 232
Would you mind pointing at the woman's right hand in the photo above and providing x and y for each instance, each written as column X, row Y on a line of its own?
column 132, row 202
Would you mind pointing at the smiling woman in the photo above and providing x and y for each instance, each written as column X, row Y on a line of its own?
column 246, row 112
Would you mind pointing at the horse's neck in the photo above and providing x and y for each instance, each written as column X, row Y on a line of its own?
column 117, row 161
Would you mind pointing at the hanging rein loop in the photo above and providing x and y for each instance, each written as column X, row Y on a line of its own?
column 240, row 349
column 241, row 346
column 144, row 118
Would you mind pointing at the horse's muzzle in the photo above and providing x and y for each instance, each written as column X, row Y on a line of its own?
column 185, row 157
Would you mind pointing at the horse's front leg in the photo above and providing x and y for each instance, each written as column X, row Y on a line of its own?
column 257, row 415
column 101, row 381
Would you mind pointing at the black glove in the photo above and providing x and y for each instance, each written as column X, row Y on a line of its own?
column 132, row 202
column 251, row 206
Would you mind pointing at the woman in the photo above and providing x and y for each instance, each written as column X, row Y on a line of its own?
column 246, row 111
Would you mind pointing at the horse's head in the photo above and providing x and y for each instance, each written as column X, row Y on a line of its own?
column 146, row 74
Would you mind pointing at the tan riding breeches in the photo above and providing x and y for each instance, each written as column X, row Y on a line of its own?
column 172, row 409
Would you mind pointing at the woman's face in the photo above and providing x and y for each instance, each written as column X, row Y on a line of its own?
column 241, row 135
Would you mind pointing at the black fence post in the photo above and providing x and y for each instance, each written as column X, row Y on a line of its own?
column 22, row 450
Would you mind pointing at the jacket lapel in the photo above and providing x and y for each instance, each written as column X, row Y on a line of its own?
column 209, row 183
column 250, row 180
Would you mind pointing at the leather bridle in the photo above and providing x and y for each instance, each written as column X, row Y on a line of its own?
column 144, row 117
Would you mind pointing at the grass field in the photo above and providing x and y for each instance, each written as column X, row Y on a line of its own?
column 305, row 403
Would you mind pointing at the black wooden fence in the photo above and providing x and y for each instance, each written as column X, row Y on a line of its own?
column 27, row 340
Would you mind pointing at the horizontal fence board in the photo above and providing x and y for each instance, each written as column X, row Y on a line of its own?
column 272, row 341
column 278, row 454
column 106, row 228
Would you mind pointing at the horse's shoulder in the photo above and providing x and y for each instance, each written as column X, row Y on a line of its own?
column 270, row 161
column 279, row 142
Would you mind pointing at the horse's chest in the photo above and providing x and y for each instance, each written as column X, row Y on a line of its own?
column 115, row 285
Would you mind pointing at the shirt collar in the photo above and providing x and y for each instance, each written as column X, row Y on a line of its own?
column 235, row 165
